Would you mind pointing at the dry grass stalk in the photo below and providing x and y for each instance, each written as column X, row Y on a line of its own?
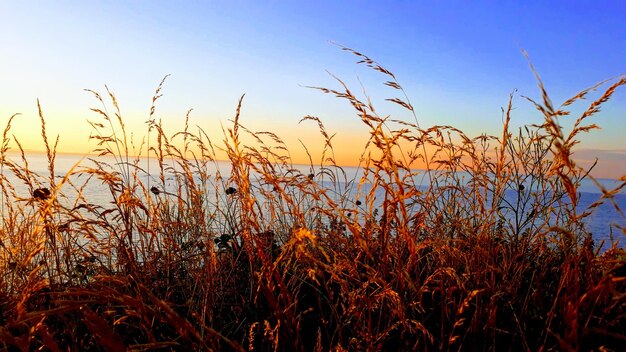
column 490, row 253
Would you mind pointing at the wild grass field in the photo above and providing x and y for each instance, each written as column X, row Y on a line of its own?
column 270, row 258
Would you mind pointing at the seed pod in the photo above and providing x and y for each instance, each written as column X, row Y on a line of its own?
column 41, row 193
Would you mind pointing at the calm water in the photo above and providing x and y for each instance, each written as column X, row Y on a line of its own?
column 603, row 222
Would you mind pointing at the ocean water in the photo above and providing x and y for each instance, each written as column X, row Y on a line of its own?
column 604, row 223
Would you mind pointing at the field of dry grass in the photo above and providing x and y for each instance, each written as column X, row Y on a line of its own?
column 270, row 258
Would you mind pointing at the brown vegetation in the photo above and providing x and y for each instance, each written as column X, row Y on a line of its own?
column 270, row 258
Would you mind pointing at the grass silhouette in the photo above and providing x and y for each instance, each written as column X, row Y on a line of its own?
column 490, row 252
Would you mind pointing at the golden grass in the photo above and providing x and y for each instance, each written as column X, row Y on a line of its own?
column 491, row 254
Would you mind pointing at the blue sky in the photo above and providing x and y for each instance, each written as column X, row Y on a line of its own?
column 457, row 60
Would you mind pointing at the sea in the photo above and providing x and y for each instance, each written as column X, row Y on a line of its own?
column 606, row 222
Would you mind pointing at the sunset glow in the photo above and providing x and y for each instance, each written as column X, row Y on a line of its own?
column 458, row 64
column 237, row 175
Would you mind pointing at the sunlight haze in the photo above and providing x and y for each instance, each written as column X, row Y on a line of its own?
column 457, row 61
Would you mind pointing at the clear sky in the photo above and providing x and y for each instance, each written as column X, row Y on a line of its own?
column 458, row 61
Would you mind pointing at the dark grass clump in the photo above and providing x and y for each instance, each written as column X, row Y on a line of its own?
column 485, row 249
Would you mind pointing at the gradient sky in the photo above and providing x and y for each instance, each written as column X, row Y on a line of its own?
column 457, row 60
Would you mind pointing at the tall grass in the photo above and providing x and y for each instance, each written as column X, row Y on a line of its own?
column 485, row 249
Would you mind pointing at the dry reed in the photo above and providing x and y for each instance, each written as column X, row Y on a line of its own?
column 490, row 254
